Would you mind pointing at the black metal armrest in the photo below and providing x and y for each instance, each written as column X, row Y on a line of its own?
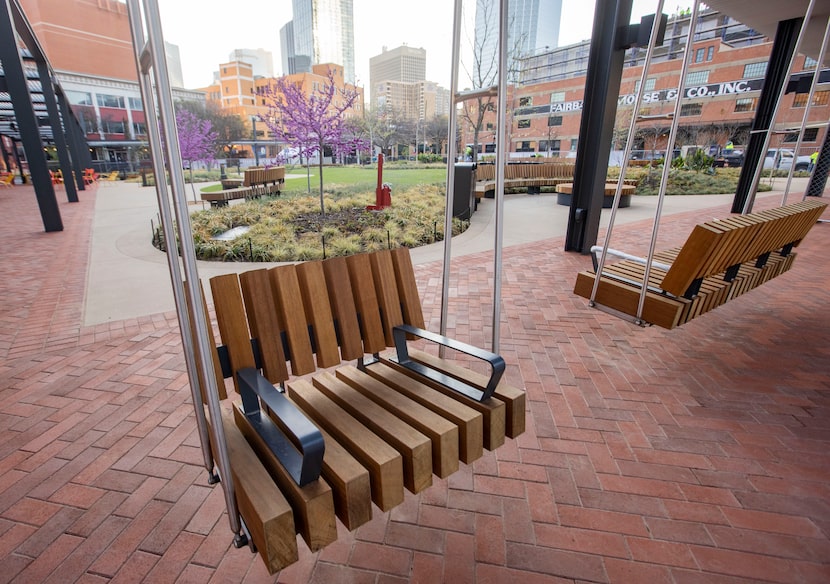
column 294, row 440
column 496, row 362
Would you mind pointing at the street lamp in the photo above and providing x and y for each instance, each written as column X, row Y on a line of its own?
column 256, row 151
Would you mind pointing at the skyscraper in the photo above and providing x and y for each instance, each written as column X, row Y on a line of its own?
column 532, row 24
column 405, row 64
column 323, row 32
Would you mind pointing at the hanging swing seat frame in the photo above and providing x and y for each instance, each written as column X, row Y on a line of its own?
column 340, row 437
column 719, row 261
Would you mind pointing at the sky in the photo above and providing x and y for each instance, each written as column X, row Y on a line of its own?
column 207, row 31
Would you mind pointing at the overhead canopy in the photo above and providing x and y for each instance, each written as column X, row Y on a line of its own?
column 8, row 124
column 764, row 16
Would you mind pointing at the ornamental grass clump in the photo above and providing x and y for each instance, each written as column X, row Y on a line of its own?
column 286, row 229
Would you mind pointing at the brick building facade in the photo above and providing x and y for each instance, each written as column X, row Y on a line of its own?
column 89, row 45
column 723, row 85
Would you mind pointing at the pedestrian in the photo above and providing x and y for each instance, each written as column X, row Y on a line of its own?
column 813, row 158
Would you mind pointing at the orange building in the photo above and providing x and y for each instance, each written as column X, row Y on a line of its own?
column 89, row 45
column 239, row 92
column 84, row 36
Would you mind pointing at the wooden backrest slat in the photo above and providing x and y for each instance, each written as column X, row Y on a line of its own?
column 318, row 312
column 411, row 309
column 365, row 299
column 341, row 299
column 233, row 325
column 386, row 288
column 264, row 323
column 692, row 257
column 214, row 355
column 714, row 246
column 292, row 315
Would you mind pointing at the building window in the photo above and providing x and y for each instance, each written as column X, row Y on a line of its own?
column 557, row 96
column 753, row 70
column 115, row 101
column 489, row 126
column 139, row 129
column 710, row 53
column 526, row 146
column 523, row 124
column 810, row 135
column 79, row 97
column 574, row 144
column 135, row 104
column 525, row 101
column 745, row 104
column 552, row 146
column 819, row 98
column 113, row 126
column 697, row 78
column 699, row 55
column 809, row 63
column 691, row 109
column 554, row 121
column 650, row 83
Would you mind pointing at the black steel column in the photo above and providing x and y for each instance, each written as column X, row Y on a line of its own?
column 77, row 144
column 58, row 136
column 602, row 88
column 27, row 122
column 818, row 180
column 778, row 72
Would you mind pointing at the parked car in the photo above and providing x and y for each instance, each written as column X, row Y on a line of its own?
column 782, row 159
column 730, row 158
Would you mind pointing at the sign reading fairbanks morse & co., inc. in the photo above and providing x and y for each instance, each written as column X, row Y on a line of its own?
column 665, row 95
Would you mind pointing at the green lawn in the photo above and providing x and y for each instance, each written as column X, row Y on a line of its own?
column 355, row 179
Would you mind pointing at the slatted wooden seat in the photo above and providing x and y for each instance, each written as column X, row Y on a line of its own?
column 264, row 181
column 528, row 175
column 342, row 441
column 719, row 261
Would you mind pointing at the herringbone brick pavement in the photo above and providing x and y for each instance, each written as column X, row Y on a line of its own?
column 687, row 456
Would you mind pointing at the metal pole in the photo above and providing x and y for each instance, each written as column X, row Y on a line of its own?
column 501, row 159
column 451, row 154
column 664, row 180
column 58, row 134
column 807, row 107
column 629, row 145
column 750, row 199
column 147, row 57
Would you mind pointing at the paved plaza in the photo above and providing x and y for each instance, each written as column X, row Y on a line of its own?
column 697, row 455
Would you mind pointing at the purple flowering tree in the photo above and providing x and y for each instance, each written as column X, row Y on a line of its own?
column 312, row 122
column 197, row 140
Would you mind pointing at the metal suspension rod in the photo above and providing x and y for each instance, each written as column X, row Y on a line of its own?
column 750, row 200
column 452, row 152
column 146, row 88
column 192, row 290
column 664, row 180
column 629, row 145
column 806, row 117
column 501, row 159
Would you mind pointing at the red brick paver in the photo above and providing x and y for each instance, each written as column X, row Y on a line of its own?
column 685, row 456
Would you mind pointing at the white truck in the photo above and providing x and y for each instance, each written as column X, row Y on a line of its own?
column 782, row 159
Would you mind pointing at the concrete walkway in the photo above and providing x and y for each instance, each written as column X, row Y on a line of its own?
column 122, row 251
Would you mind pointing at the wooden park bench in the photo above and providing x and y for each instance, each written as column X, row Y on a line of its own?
column 344, row 436
column 531, row 176
column 264, row 181
column 719, row 261
column 256, row 183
